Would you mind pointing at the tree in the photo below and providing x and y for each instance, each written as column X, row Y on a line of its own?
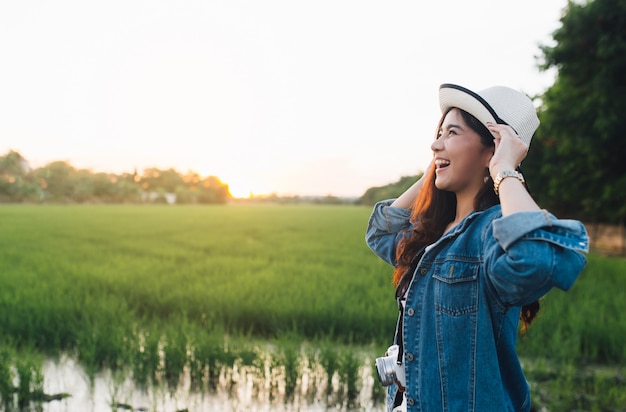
column 390, row 191
column 58, row 179
column 212, row 190
column 16, row 184
column 14, row 164
column 154, row 179
column 576, row 166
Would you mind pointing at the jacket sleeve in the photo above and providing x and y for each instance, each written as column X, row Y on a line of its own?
column 384, row 229
column 532, row 252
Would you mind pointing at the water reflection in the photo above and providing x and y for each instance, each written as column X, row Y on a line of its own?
column 239, row 389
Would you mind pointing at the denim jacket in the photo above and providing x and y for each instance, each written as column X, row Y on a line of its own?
column 462, row 308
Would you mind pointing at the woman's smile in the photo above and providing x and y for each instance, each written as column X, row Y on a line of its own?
column 441, row 165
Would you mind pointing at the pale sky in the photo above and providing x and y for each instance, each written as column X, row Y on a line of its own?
column 289, row 97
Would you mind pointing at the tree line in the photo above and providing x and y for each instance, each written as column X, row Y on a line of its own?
column 60, row 182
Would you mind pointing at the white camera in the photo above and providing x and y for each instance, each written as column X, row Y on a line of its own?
column 390, row 369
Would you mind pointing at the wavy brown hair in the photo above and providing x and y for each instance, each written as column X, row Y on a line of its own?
column 434, row 209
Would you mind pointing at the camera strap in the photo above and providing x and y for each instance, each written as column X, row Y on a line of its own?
column 401, row 292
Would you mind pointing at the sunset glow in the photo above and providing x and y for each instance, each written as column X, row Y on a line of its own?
column 240, row 192
column 284, row 97
column 242, row 188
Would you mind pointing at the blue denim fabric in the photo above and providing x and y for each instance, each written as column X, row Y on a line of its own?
column 463, row 305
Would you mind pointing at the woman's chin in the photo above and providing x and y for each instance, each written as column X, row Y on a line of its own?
column 440, row 184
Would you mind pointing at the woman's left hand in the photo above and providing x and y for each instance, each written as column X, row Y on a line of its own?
column 509, row 149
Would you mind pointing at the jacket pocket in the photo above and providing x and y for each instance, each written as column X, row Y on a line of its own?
column 456, row 287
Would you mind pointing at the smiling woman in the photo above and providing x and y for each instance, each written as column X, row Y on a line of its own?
column 472, row 255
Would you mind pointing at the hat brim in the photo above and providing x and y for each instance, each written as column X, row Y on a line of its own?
column 452, row 95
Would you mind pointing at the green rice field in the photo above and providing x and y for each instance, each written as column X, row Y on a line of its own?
column 189, row 296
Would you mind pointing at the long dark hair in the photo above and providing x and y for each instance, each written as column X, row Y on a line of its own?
column 434, row 209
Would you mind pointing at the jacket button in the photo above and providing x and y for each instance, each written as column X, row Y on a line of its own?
column 410, row 311
column 409, row 357
column 423, row 271
column 410, row 401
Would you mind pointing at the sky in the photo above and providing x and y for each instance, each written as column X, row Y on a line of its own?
column 291, row 97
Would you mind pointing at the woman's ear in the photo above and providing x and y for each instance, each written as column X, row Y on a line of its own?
column 490, row 154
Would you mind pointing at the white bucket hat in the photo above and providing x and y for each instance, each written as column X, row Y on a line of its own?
column 496, row 104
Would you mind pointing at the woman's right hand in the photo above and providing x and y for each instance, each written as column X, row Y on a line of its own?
column 509, row 149
column 406, row 199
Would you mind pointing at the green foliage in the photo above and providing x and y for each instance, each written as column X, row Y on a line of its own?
column 16, row 182
column 21, row 379
column 152, row 291
column 586, row 323
column 349, row 364
column 573, row 387
column 6, row 377
column 390, row 191
column 89, row 279
column 30, row 378
column 289, row 359
column 77, row 274
column 60, row 182
column 575, row 166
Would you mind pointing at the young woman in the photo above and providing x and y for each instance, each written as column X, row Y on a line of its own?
column 473, row 253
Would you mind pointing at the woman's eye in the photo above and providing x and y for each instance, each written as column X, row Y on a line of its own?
column 449, row 132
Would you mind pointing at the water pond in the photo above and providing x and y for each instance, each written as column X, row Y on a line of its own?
column 238, row 389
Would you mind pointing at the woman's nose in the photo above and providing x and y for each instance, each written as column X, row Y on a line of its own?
column 436, row 145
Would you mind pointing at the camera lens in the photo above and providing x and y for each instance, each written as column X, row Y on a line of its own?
column 386, row 373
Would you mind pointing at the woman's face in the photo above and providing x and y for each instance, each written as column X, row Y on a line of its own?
column 460, row 159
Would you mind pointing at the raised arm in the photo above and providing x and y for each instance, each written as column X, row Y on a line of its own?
column 406, row 199
column 509, row 152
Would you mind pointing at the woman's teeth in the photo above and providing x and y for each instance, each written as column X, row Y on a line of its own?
column 441, row 163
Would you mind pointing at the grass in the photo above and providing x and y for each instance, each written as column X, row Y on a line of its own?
column 253, row 269
column 585, row 324
column 159, row 291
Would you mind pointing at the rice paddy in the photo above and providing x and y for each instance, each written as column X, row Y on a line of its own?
column 286, row 301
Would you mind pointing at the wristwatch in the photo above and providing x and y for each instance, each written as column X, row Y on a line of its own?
column 503, row 175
